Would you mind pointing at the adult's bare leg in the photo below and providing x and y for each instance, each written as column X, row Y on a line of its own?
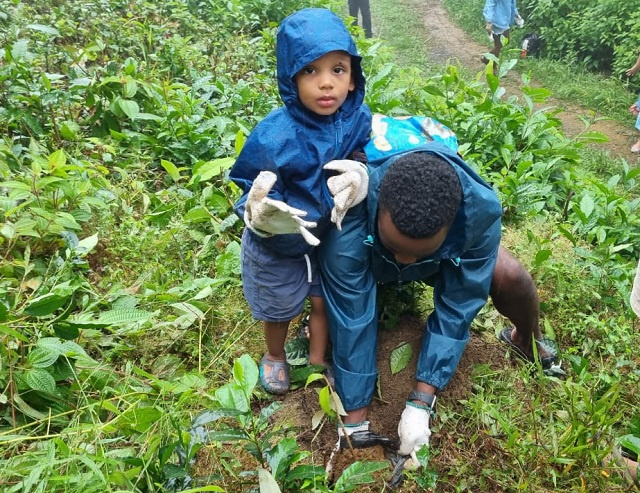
column 514, row 294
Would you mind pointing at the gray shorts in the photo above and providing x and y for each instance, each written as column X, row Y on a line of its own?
column 276, row 287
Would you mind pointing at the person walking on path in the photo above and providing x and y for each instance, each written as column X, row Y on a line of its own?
column 499, row 16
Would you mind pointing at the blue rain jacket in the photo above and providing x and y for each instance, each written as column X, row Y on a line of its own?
column 294, row 142
column 353, row 260
column 500, row 13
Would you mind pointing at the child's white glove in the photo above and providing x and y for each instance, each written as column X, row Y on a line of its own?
column 349, row 188
column 519, row 21
column 268, row 217
column 414, row 432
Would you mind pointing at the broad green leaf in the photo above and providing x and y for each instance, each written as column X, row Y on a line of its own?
column 57, row 159
column 239, row 142
column 400, row 357
column 139, row 418
column 52, row 344
column 358, row 473
column 44, row 29
column 66, row 220
column 41, row 357
column 232, row 396
column 8, row 230
column 46, row 304
column 41, row 380
column 209, row 169
column 13, row 333
column 197, row 214
column 210, row 416
column 632, row 443
column 171, row 169
column 17, row 185
column 267, row 482
column 72, row 349
column 228, row 435
column 130, row 88
column 87, row 244
column 27, row 409
column 123, row 316
column 245, row 373
column 587, row 205
column 129, row 108
column 324, row 399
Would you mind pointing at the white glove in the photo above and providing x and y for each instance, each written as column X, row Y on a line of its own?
column 414, row 432
column 349, row 188
column 519, row 21
column 268, row 217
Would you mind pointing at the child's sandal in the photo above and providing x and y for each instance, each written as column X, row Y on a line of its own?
column 274, row 376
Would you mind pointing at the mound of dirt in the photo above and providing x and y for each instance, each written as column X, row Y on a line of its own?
column 384, row 413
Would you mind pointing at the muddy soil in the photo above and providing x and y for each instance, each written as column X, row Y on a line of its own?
column 483, row 353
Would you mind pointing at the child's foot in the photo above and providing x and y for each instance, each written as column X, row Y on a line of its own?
column 274, row 376
column 635, row 148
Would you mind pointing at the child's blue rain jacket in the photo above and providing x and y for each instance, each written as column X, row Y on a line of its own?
column 294, row 142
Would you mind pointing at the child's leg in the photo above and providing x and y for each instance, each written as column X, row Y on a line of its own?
column 275, row 335
column 318, row 332
column 274, row 372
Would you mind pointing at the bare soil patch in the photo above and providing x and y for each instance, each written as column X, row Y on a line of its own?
column 483, row 349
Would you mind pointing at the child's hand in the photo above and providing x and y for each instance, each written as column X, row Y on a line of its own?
column 267, row 217
column 634, row 110
column 349, row 188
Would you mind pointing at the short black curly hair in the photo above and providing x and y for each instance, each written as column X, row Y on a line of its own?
column 422, row 193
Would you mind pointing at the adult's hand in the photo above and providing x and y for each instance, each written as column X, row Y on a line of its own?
column 348, row 189
column 267, row 217
column 414, row 432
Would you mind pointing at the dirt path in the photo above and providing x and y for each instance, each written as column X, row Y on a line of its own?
column 446, row 42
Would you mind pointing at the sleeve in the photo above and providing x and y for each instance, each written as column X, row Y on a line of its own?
column 252, row 160
column 459, row 294
column 488, row 11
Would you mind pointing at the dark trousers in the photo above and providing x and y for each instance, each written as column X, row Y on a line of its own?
column 365, row 11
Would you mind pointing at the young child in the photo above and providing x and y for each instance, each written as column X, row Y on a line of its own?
column 635, row 107
column 280, row 171
column 499, row 16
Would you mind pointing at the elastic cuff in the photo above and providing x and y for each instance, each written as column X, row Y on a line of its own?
column 426, row 408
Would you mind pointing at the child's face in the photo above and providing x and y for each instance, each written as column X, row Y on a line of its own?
column 324, row 84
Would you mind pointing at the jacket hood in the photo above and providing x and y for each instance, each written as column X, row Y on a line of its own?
column 304, row 37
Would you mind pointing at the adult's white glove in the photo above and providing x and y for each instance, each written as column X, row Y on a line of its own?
column 519, row 21
column 267, row 217
column 414, row 432
column 349, row 188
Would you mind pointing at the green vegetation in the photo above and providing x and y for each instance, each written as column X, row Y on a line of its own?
column 570, row 49
column 125, row 344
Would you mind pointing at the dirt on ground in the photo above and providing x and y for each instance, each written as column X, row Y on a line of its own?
column 384, row 413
